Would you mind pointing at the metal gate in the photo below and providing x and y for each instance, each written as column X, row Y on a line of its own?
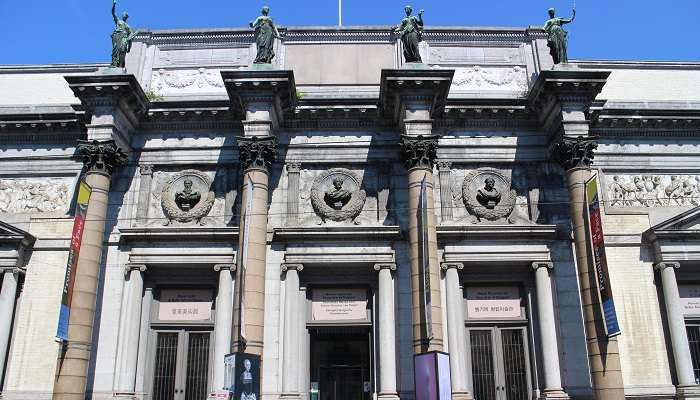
column 500, row 363
column 181, row 368
column 694, row 342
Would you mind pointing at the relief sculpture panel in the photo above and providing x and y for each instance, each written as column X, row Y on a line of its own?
column 186, row 197
column 648, row 191
column 182, row 82
column 19, row 196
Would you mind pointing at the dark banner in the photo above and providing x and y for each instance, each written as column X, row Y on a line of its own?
column 424, row 258
column 84, row 193
column 600, row 262
column 242, row 376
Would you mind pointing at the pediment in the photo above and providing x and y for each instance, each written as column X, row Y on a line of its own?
column 9, row 232
column 685, row 222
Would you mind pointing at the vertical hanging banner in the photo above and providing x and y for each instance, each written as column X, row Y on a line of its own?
column 424, row 258
column 600, row 262
column 84, row 193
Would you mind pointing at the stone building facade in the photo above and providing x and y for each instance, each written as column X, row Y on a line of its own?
column 341, row 146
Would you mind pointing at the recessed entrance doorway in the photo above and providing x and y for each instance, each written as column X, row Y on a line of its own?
column 341, row 367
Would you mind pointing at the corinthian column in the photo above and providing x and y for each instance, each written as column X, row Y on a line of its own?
column 100, row 159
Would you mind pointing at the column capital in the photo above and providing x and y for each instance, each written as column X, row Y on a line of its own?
column 295, row 267
column 146, row 169
column 293, row 167
column 101, row 156
column 134, row 267
column 225, row 267
column 448, row 265
column 257, row 151
column 419, row 151
column 574, row 152
column 444, row 166
column 542, row 264
column 381, row 266
column 667, row 264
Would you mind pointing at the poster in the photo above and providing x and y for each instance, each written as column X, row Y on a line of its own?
column 84, row 192
column 600, row 262
column 247, row 377
column 432, row 377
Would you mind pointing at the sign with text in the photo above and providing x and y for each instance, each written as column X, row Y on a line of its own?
column 690, row 299
column 600, row 261
column 84, row 193
column 336, row 304
column 493, row 302
column 185, row 305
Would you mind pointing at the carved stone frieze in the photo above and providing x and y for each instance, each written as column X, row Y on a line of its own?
column 487, row 194
column 419, row 151
column 187, row 196
column 337, row 195
column 257, row 152
column 101, row 155
column 173, row 82
column 653, row 190
column 492, row 78
column 19, row 196
column 574, row 152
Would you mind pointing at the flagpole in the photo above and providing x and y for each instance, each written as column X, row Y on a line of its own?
column 340, row 12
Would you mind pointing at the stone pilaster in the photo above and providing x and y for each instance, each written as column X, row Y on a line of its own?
column 444, row 170
column 292, row 332
column 293, row 172
column 562, row 98
column 460, row 376
column 548, row 331
column 260, row 99
column 128, row 343
column 387, row 332
column 413, row 98
column 687, row 388
column 113, row 103
column 146, row 173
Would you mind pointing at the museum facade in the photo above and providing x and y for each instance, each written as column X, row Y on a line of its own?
column 341, row 211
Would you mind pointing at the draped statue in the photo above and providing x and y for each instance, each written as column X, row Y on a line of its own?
column 556, row 36
column 265, row 34
column 411, row 31
column 121, row 38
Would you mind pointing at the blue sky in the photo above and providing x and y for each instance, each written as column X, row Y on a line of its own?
column 77, row 31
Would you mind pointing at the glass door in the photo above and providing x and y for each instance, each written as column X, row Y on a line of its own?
column 181, row 368
column 500, row 365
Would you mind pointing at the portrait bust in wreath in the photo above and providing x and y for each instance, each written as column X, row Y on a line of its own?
column 187, row 197
column 337, row 195
column 488, row 196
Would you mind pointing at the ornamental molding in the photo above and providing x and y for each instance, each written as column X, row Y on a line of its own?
column 25, row 196
column 488, row 196
column 337, row 195
column 478, row 78
column 187, row 81
column 176, row 206
column 651, row 191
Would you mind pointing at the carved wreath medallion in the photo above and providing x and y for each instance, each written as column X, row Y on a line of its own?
column 201, row 197
column 337, row 195
column 487, row 194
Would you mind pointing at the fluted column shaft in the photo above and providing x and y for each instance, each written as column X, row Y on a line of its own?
column 222, row 329
column 292, row 339
column 456, row 332
column 548, row 330
column 676, row 324
column 387, row 332
column 8, row 295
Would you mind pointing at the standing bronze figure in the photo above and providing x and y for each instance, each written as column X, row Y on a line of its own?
column 121, row 38
column 411, row 31
column 556, row 36
column 265, row 34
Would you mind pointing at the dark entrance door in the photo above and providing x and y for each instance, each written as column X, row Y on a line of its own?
column 340, row 363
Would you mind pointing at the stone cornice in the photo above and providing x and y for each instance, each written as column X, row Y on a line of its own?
column 274, row 87
column 429, row 86
column 193, row 233
column 502, row 232
column 303, row 233
column 109, row 89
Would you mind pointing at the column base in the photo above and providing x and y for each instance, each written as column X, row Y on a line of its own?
column 388, row 396
column 688, row 392
column 553, row 394
column 462, row 396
